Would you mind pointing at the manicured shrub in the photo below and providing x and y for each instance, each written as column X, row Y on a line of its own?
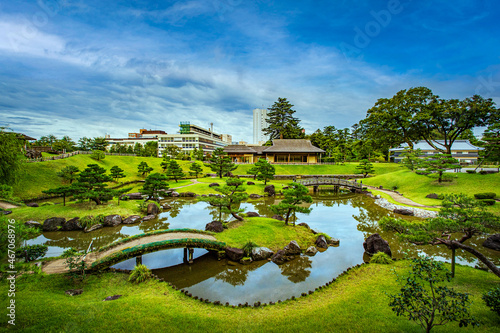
column 488, row 202
column 46, row 203
column 70, row 252
column 140, row 274
column 89, row 221
column 31, row 252
column 492, row 299
column 485, row 195
column 380, row 258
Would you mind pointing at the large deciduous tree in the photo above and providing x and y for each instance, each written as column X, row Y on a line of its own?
column 220, row 162
column 295, row 195
column 282, row 123
column 460, row 215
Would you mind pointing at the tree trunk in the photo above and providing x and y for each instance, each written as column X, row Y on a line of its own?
column 236, row 216
column 453, row 250
column 479, row 255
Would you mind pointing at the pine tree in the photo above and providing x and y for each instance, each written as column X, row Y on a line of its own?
column 69, row 173
column 165, row 162
column 232, row 194
column 174, row 171
column 116, row 172
column 195, row 169
column 144, row 168
column 282, row 124
column 364, row 168
column 294, row 196
column 221, row 163
column 91, row 184
column 266, row 171
column 153, row 184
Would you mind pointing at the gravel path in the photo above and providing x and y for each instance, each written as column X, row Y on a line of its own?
column 6, row 205
column 58, row 266
column 195, row 181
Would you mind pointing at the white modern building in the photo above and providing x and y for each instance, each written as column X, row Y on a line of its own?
column 259, row 123
column 462, row 150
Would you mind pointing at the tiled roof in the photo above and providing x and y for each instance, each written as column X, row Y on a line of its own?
column 457, row 145
column 239, row 149
column 293, row 146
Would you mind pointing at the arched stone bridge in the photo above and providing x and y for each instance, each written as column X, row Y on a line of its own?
column 137, row 245
column 336, row 182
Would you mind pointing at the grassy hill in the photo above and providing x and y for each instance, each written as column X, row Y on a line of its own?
column 37, row 177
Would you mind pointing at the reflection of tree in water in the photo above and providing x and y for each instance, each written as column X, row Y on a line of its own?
column 156, row 224
column 80, row 240
column 234, row 275
column 297, row 270
column 261, row 206
column 176, row 207
column 217, row 213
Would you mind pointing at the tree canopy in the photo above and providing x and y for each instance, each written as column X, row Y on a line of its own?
column 91, row 185
column 10, row 156
column 232, row 194
column 153, row 184
column 295, row 195
column 220, row 162
column 282, row 123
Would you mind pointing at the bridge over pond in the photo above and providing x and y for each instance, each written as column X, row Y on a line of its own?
column 137, row 245
column 335, row 182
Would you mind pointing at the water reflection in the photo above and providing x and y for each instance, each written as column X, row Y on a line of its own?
column 348, row 217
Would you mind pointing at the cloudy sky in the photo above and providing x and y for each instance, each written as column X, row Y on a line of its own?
column 89, row 68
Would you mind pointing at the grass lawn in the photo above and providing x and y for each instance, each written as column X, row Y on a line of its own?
column 356, row 302
column 416, row 187
column 266, row 232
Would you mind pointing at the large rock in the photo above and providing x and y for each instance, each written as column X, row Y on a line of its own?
column 72, row 225
column 112, row 298
column 261, row 253
column 250, row 183
column 153, row 209
column 166, row 206
column 375, row 243
column 92, row 228
column 333, row 241
column 175, row 194
column 278, row 217
column 252, row 214
column 33, row 224
column 292, row 248
column 234, row 253
column 112, row 220
column 255, row 196
column 279, row 257
column 305, row 225
column 432, row 196
column 133, row 196
column 269, row 189
column 214, row 226
column 321, row 242
column 493, row 242
column 53, row 223
column 188, row 194
column 32, row 204
column 311, row 251
column 132, row 219
column 403, row 211
column 148, row 218
column 74, row 292
column 6, row 212
column 213, row 184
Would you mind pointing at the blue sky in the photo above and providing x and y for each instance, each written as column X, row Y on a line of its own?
column 89, row 68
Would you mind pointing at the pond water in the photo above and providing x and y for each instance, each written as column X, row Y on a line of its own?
column 348, row 217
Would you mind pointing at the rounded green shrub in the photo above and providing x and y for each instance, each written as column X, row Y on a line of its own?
column 488, row 202
column 31, row 252
column 140, row 274
column 492, row 299
column 47, row 203
column 248, row 247
column 380, row 258
column 485, row 195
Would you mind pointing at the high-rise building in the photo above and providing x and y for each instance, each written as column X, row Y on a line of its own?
column 259, row 123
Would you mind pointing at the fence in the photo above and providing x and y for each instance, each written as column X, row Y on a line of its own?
column 66, row 155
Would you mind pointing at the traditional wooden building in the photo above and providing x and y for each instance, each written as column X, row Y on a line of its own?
column 282, row 151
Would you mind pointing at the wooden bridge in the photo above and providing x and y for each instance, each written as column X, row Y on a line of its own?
column 335, row 182
column 137, row 245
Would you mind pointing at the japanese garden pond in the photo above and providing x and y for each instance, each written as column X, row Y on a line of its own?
column 348, row 217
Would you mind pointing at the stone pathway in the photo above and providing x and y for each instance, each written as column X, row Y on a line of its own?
column 6, row 205
column 195, row 181
column 59, row 266
column 399, row 198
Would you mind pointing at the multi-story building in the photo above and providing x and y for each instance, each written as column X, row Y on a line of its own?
column 190, row 137
column 462, row 150
column 259, row 123
column 144, row 133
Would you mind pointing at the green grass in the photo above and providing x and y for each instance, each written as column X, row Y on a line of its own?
column 73, row 209
column 266, row 232
column 416, row 187
column 354, row 303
